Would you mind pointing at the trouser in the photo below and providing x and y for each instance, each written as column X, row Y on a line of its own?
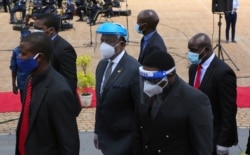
column 231, row 19
column 17, row 8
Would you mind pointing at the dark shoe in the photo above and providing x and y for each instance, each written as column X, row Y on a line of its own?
column 13, row 22
column 227, row 41
column 234, row 41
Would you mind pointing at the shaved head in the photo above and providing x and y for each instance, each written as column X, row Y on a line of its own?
column 150, row 17
column 201, row 40
column 201, row 44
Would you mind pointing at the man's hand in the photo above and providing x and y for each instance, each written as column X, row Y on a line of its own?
column 96, row 141
column 14, row 89
column 221, row 150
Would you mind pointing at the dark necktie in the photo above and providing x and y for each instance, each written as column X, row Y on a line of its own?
column 25, row 120
column 198, row 77
column 142, row 47
column 108, row 73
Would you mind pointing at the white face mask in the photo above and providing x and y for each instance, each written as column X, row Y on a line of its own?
column 37, row 30
column 154, row 89
column 107, row 51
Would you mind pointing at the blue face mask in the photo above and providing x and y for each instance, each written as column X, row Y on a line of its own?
column 194, row 57
column 28, row 65
column 137, row 28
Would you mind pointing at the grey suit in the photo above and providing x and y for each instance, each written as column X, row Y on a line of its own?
column 115, row 111
column 182, row 125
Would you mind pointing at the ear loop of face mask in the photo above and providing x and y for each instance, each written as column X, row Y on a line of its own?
column 36, row 56
column 19, row 56
column 163, row 80
column 202, row 52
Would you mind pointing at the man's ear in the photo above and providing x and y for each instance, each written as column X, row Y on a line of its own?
column 123, row 43
column 40, row 57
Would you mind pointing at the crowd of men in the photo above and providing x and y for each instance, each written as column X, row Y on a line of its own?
column 143, row 106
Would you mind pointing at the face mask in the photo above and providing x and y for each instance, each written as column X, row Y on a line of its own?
column 37, row 30
column 154, row 89
column 107, row 51
column 194, row 57
column 137, row 28
column 28, row 65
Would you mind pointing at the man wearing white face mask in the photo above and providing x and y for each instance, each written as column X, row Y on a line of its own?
column 174, row 118
column 218, row 81
column 117, row 93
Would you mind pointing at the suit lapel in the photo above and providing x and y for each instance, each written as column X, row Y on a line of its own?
column 38, row 95
column 208, row 74
column 101, row 71
column 145, row 49
column 118, row 71
column 192, row 74
column 171, row 99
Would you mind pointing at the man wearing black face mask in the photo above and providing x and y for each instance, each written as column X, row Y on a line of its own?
column 174, row 118
column 117, row 93
column 217, row 80
column 147, row 21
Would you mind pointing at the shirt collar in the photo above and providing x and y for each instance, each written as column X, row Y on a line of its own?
column 206, row 64
column 148, row 36
column 117, row 59
column 53, row 37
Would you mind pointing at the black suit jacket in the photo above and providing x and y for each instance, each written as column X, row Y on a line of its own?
column 53, row 127
column 63, row 60
column 155, row 43
column 115, row 111
column 182, row 125
column 219, row 84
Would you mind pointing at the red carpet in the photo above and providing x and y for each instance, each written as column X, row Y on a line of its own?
column 243, row 97
column 11, row 103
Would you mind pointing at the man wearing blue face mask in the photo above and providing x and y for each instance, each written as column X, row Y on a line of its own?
column 174, row 118
column 117, row 93
column 47, row 124
column 147, row 21
column 217, row 80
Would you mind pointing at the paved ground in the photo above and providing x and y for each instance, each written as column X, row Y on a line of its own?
column 179, row 20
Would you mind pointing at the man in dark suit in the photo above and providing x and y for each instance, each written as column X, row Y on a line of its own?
column 63, row 58
column 117, row 94
column 218, row 81
column 147, row 21
column 175, row 119
column 47, row 124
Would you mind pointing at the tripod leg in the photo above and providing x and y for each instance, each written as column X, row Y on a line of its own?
column 219, row 51
column 229, row 58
